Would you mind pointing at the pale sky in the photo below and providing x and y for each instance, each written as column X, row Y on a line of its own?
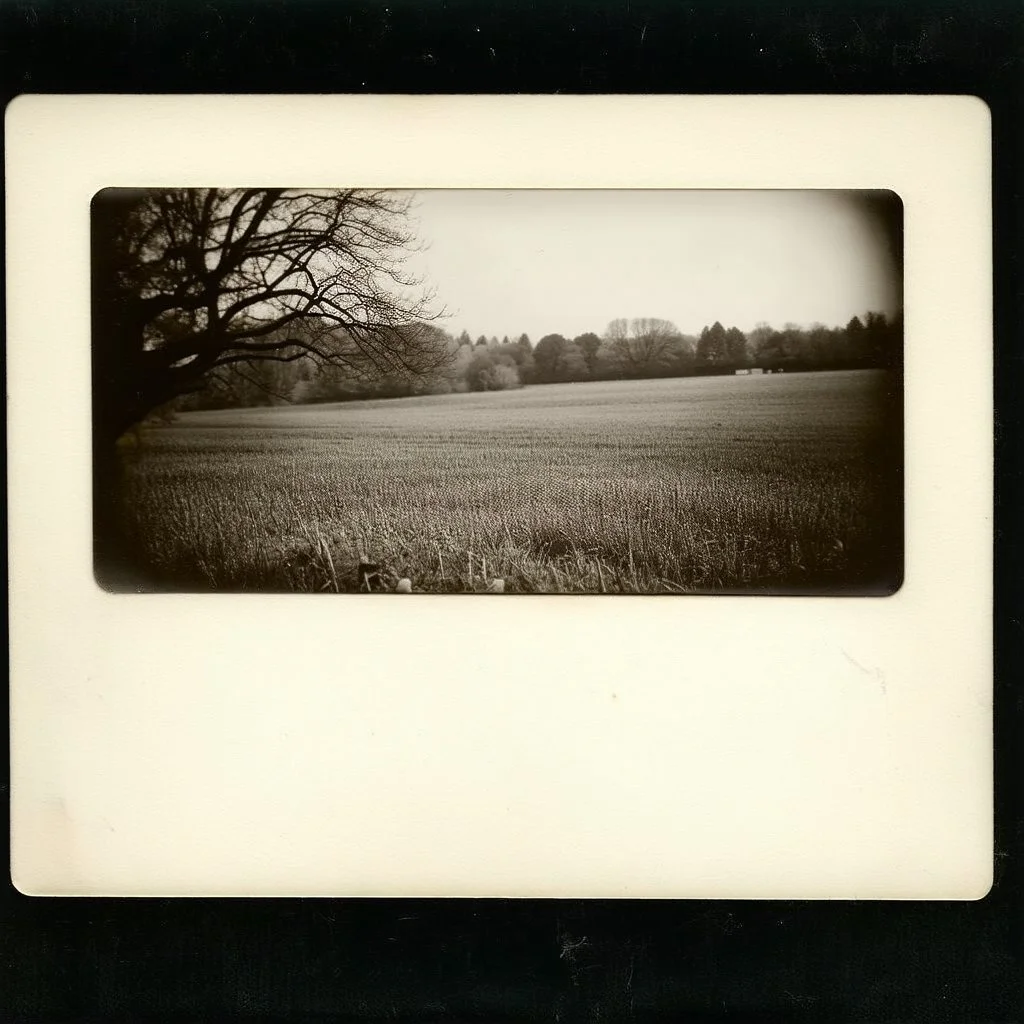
column 549, row 261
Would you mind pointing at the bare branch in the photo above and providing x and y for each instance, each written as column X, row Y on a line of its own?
column 192, row 278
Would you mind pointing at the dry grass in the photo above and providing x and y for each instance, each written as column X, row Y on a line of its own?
column 786, row 484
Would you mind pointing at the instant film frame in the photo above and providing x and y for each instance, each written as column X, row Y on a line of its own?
column 694, row 747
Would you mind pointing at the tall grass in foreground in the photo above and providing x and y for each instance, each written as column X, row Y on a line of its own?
column 651, row 487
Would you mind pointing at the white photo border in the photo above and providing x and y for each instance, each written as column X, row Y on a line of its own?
column 712, row 747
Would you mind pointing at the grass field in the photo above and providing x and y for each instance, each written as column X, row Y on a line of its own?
column 781, row 483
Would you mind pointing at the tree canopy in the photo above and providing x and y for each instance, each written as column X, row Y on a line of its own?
column 643, row 347
column 558, row 359
column 187, row 282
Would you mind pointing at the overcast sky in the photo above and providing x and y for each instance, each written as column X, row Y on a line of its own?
column 505, row 262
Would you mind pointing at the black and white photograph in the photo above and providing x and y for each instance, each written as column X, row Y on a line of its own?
column 752, row 395
column 498, row 391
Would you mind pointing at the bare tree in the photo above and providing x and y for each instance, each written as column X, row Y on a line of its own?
column 641, row 347
column 194, row 284
column 187, row 282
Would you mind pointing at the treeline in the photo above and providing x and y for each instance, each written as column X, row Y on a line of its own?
column 628, row 350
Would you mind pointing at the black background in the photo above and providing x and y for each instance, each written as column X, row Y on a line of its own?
column 495, row 960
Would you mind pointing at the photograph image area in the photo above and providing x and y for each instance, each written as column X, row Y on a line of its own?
column 497, row 391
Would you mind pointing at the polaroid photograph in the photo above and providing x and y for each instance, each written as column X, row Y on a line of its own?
column 545, row 496
column 287, row 395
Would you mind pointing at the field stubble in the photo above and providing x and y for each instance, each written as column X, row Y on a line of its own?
column 744, row 485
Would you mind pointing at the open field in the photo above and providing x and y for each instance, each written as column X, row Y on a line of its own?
column 781, row 483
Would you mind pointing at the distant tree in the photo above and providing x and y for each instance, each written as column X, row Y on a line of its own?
column 758, row 336
column 524, row 342
column 305, row 391
column 856, row 340
column 736, row 347
column 824, row 346
column 881, row 340
column 465, row 339
column 547, row 356
column 769, row 348
column 588, row 344
column 874, row 341
column 558, row 359
column 492, row 372
column 523, row 359
column 242, row 385
column 796, row 344
column 712, row 349
column 789, row 348
column 481, row 342
column 504, row 377
column 272, row 382
column 606, row 362
column 653, row 344
column 892, row 355
column 574, row 366
column 464, row 355
column 682, row 355
column 642, row 347
column 617, row 331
